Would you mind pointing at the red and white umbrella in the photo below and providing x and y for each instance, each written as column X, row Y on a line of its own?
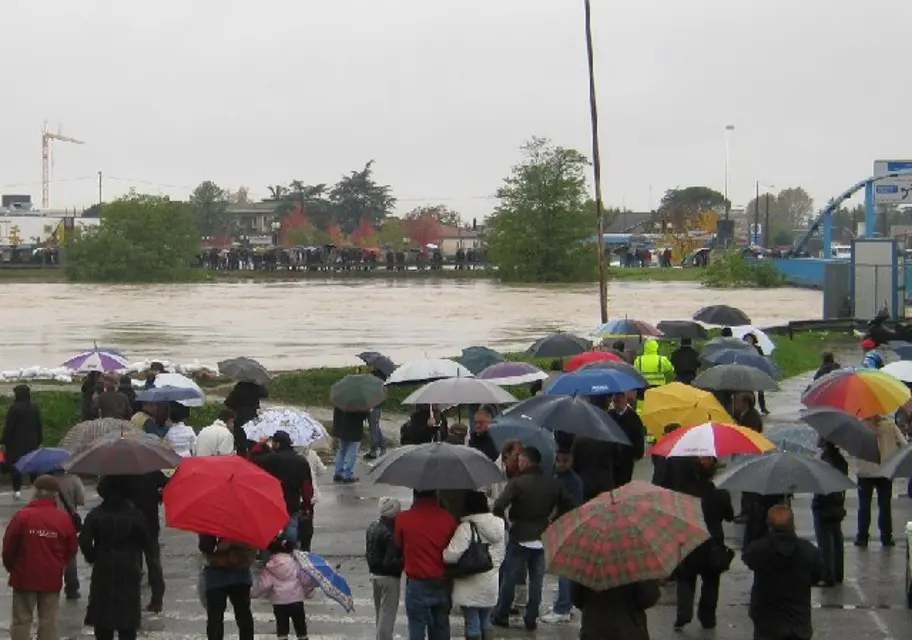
column 711, row 439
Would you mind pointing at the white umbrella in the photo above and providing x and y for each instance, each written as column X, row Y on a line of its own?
column 763, row 340
column 303, row 428
column 454, row 391
column 428, row 370
column 181, row 382
column 901, row 370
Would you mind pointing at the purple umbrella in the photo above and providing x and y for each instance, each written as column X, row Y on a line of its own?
column 506, row 374
column 96, row 361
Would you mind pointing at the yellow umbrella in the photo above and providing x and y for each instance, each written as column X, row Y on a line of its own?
column 681, row 404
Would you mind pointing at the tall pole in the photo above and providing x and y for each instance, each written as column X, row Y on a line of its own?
column 728, row 129
column 596, row 166
column 756, row 233
column 100, row 198
column 767, row 232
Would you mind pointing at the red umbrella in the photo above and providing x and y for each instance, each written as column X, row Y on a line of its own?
column 589, row 357
column 225, row 496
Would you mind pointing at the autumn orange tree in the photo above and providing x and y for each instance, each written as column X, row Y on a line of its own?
column 295, row 228
column 424, row 230
column 336, row 235
column 365, row 235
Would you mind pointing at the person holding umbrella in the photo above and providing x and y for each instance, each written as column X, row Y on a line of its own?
column 244, row 400
column 348, row 429
column 889, row 440
column 70, row 497
column 22, row 433
column 751, row 339
column 686, row 361
column 829, row 511
column 277, row 457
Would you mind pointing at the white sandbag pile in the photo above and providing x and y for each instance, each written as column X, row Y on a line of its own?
column 57, row 374
column 61, row 374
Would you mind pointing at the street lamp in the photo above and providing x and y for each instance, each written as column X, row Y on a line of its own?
column 596, row 165
column 276, row 225
column 728, row 129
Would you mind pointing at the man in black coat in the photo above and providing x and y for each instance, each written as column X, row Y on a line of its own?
column 686, row 362
column 277, row 457
column 785, row 568
column 22, row 432
column 144, row 492
column 481, row 439
column 625, row 457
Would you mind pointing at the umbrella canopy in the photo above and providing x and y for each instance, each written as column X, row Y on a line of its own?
column 476, row 359
column 582, row 359
column 360, row 392
column 42, row 460
column 721, row 314
column 324, row 576
column 84, row 434
column 746, row 358
column 507, row 374
column 864, row 393
column 898, row 466
column 115, row 455
column 683, row 329
column 799, row 439
column 378, row 362
column 783, row 473
column 594, row 382
column 902, row 349
column 763, row 340
column 614, row 365
column 711, row 439
column 719, row 344
column 570, row 415
column 96, row 360
column 735, row 377
column 681, row 404
column 639, row 532
column 245, row 369
column 627, row 327
column 303, row 428
column 455, row 391
column 225, row 496
column 179, row 381
column 436, row 465
column 170, row 394
column 843, row 430
column 519, row 428
column 558, row 345
column 427, row 370
column 901, row 370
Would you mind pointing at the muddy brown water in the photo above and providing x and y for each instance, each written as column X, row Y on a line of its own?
column 307, row 323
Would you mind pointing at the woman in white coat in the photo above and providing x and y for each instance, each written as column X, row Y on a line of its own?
column 477, row 595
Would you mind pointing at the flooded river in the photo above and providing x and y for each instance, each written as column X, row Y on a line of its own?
column 305, row 323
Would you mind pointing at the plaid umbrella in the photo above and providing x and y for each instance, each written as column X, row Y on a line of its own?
column 639, row 532
column 81, row 437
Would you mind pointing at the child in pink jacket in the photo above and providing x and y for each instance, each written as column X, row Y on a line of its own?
column 284, row 584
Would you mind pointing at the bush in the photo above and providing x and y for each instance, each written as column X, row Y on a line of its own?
column 732, row 269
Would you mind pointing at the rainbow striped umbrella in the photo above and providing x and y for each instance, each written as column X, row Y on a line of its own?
column 711, row 439
column 863, row 393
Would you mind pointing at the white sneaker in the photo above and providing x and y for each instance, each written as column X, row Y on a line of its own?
column 556, row 618
column 17, row 495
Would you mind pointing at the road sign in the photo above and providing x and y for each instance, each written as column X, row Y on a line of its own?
column 895, row 190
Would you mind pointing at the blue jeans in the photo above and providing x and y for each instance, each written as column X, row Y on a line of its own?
column 376, row 435
column 346, row 457
column 831, row 546
column 477, row 620
column 290, row 532
column 427, row 607
column 562, row 604
column 516, row 560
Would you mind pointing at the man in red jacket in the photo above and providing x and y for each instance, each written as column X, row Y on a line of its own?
column 38, row 543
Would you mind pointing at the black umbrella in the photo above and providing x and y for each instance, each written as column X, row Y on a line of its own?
column 898, row 466
column 782, row 473
column 722, row 314
column 435, row 466
column 734, row 377
column 378, row 361
column 245, row 370
column 720, row 344
column 844, row 430
column 570, row 414
column 683, row 329
column 559, row 345
column 124, row 455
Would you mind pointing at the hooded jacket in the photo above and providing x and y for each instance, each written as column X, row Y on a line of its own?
column 653, row 366
column 282, row 581
column 22, row 432
column 785, row 568
column 383, row 557
column 889, row 440
column 479, row 590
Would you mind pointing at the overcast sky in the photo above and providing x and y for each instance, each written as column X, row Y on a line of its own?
column 441, row 93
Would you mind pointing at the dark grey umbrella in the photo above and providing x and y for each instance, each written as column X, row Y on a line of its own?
column 899, row 466
column 435, row 466
column 125, row 455
column 843, row 430
column 721, row 344
column 722, row 314
column 734, row 377
column 559, row 345
column 569, row 414
column 245, row 369
column 682, row 329
column 782, row 473
column 378, row 362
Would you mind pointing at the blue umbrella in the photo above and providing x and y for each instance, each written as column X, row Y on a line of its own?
column 594, row 382
column 748, row 359
column 42, row 460
column 795, row 439
column 168, row 394
column 531, row 435
column 902, row 349
column 324, row 576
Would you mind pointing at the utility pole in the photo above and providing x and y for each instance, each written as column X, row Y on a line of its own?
column 767, row 237
column 757, row 215
column 596, row 166
column 100, row 198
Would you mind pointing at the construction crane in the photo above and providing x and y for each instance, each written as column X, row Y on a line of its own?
column 46, row 137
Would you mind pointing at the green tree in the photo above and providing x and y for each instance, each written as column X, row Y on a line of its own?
column 795, row 207
column 681, row 207
column 393, row 232
column 141, row 238
column 441, row 213
column 208, row 203
column 312, row 199
column 539, row 229
column 358, row 196
column 276, row 192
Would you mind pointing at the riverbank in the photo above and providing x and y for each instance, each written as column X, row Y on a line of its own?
column 60, row 404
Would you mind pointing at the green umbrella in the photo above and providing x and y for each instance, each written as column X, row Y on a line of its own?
column 476, row 359
column 360, row 392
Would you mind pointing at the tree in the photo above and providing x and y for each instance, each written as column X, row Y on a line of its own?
column 276, row 192
column 336, row 235
column 795, row 207
column 295, row 228
column 312, row 199
column 241, row 196
column 365, row 235
column 443, row 214
column 393, row 233
column 357, row 196
column 539, row 230
column 208, row 203
column 13, row 236
column 92, row 212
column 424, row 230
column 686, row 212
column 140, row 238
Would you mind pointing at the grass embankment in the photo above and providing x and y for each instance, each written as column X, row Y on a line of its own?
column 310, row 388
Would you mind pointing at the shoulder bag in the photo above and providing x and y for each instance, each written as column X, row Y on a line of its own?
column 474, row 560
